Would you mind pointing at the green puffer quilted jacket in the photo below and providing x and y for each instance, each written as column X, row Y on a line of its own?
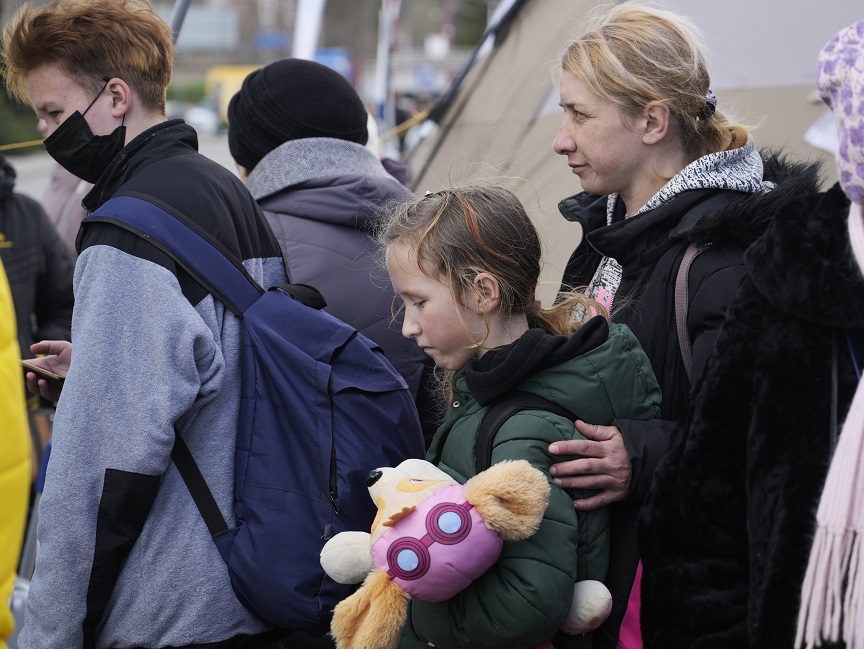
column 524, row 597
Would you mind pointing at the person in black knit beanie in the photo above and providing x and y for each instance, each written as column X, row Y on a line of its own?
column 297, row 131
column 292, row 99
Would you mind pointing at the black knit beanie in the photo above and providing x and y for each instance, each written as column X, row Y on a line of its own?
column 291, row 99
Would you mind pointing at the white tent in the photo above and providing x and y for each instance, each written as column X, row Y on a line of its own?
column 500, row 116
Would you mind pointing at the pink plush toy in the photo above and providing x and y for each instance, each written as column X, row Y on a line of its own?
column 430, row 539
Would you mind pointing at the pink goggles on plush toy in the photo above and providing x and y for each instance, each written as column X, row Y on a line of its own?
column 445, row 531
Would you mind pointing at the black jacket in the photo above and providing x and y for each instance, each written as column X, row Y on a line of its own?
column 649, row 248
column 38, row 265
column 725, row 531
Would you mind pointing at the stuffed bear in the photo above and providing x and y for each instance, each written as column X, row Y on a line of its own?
column 430, row 539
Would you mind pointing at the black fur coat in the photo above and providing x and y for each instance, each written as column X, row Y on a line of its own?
column 726, row 529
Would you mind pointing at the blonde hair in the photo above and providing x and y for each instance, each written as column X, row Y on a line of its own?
column 459, row 233
column 91, row 40
column 632, row 55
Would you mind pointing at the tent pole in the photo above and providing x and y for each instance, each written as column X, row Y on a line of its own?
column 177, row 16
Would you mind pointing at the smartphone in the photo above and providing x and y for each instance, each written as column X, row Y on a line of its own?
column 42, row 373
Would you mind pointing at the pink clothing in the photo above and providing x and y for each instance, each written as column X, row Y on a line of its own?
column 62, row 203
column 438, row 549
column 630, row 635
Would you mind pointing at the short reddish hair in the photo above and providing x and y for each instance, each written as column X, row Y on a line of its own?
column 91, row 40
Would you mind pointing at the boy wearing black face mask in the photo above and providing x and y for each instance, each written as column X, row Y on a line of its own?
column 76, row 149
column 125, row 559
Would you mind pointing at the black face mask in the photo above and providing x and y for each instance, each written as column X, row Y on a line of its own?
column 81, row 153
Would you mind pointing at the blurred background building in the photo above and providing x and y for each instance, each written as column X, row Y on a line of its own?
column 482, row 67
column 220, row 41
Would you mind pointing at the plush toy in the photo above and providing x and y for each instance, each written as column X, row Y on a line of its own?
column 430, row 539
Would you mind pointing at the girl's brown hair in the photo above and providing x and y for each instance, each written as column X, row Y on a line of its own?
column 459, row 233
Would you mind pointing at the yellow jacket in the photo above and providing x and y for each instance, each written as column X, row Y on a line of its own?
column 14, row 458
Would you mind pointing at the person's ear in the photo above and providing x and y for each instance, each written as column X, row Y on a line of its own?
column 655, row 121
column 121, row 97
column 488, row 293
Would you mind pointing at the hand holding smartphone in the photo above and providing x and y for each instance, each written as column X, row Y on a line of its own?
column 43, row 373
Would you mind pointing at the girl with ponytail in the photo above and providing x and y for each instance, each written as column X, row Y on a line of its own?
column 465, row 264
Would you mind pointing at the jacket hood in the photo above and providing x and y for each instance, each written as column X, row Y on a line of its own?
column 298, row 161
column 350, row 200
column 743, row 221
column 650, row 234
column 804, row 263
column 723, row 216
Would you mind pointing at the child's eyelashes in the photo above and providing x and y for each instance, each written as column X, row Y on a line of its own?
column 418, row 303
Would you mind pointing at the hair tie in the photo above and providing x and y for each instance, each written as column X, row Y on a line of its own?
column 709, row 107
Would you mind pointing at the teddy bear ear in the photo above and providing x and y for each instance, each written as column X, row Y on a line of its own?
column 371, row 618
column 511, row 496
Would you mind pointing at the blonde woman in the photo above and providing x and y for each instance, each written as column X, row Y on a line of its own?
column 662, row 168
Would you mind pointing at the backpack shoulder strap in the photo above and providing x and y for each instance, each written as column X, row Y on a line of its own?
column 207, row 261
column 499, row 412
column 682, row 304
column 717, row 201
column 197, row 251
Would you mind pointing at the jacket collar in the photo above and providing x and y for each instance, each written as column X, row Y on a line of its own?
column 724, row 217
column 636, row 241
column 166, row 139
column 584, row 208
column 500, row 370
column 740, row 170
column 298, row 161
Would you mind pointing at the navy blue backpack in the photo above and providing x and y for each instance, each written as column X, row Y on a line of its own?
column 321, row 407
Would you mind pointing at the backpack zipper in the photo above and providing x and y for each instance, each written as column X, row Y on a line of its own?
column 334, row 491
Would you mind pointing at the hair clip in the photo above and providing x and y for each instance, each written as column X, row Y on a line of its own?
column 429, row 192
column 709, row 107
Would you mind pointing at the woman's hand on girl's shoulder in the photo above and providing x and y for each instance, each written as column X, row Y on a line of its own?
column 603, row 465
